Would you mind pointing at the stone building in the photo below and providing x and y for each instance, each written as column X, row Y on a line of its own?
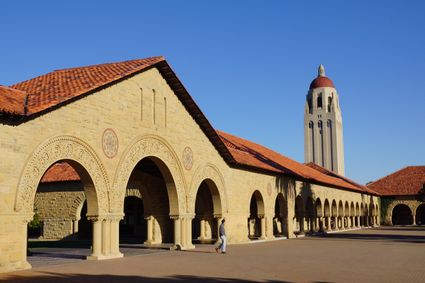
column 402, row 196
column 323, row 125
column 124, row 149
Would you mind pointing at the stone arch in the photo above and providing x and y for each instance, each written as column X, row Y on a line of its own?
column 215, row 180
column 77, row 206
column 420, row 214
column 357, row 209
column 80, row 156
column 280, row 216
column 260, row 203
column 327, row 208
column 352, row 209
column 340, row 209
column 319, row 210
column 346, row 209
column 256, row 220
column 159, row 151
column 402, row 215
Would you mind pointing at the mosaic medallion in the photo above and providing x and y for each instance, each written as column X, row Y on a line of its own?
column 269, row 189
column 187, row 158
column 110, row 143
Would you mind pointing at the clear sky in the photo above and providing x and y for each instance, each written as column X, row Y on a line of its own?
column 248, row 64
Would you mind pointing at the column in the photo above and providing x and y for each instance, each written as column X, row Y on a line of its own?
column 188, row 227
column 177, row 232
column 75, row 227
column 202, row 233
column 115, row 236
column 263, row 226
column 149, row 237
column 106, row 232
column 97, row 237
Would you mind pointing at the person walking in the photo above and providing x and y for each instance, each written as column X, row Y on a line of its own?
column 222, row 232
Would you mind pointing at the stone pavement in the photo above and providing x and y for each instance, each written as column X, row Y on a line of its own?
column 387, row 254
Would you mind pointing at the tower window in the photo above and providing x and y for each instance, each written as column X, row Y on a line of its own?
column 329, row 103
column 310, row 106
column 319, row 101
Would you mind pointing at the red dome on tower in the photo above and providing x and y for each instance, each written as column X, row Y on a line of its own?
column 321, row 80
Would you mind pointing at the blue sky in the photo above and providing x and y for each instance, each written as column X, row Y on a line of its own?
column 248, row 64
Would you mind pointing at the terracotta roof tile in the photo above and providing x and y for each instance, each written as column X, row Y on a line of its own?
column 333, row 174
column 254, row 155
column 59, row 86
column 407, row 181
column 12, row 101
column 60, row 172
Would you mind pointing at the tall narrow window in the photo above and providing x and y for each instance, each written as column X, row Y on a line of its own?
column 329, row 104
column 165, row 112
column 319, row 101
column 141, row 104
column 331, row 147
column 153, row 106
column 310, row 106
column 313, row 152
column 321, row 148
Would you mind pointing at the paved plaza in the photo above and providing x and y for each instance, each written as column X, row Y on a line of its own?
column 385, row 254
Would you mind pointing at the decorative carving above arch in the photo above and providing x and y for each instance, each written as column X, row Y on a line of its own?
column 142, row 147
column 205, row 172
column 51, row 151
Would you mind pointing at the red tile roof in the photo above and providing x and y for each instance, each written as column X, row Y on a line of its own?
column 59, row 86
column 60, row 172
column 404, row 182
column 321, row 82
column 333, row 174
column 253, row 155
column 12, row 101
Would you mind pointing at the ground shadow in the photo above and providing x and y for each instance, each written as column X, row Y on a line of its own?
column 55, row 277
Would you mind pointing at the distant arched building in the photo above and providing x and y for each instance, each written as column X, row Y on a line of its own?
column 402, row 196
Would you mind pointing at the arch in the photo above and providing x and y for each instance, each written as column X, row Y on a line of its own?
column 326, row 208
column 76, row 153
column 357, row 209
column 280, row 216
column 318, row 207
column 334, row 209
column 352, row 209
column 346, row 209
column 402, row 215
column 215, row 180
column 340, row 208
column 256, row 212
column 420, row 214
column 158, row 150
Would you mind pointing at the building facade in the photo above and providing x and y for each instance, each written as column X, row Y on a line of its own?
column 123, row 148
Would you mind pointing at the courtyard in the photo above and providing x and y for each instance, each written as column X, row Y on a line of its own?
column 384, row 254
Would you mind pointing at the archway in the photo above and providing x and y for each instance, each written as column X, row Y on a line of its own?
column 357, row 218
column 150, row 194
column 65, row 202
column 420, row 214
column 133, row 227
column 327, row 213
column 346, row 214
column 280, row 227
column 340, row 223
column 402, row 215
column 310, row 214
column 352, row 215
column 208, row 213
column 319, row 214
column 334, row 217
column 299, row 215
column 256, row 220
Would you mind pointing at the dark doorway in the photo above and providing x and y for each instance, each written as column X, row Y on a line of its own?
column 402, row 215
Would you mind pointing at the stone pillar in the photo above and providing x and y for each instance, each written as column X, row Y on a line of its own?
column 97, row 238
column 202, row 233
column 106, row 233
column 177, row 232
column 115, row 236
column 75, row 227
column 188, row 218
column 263, row 226
column 150, row 225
